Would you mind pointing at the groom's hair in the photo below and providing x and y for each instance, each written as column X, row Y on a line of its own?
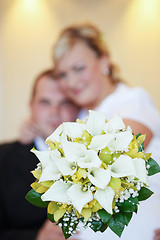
column 47, row 73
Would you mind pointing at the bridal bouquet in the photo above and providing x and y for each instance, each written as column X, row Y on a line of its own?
column 94, row 172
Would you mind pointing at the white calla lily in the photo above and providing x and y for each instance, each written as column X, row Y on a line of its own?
column 49, row 168
column 72, row 150
column 122, row 167
column 66, row 167
column 100, row 141
column 43, row 156
column 50, row 172
column 55, row 136
column 55, row 154
column 99, row 177
column 73, row 129
column 57, row 192
column 114, row 141
column 95, row 123
column 90, row 160
column 78, row 153
column 120, row 141
column 105, row 198
column 140, row 168
column 125, row 166
column 79, row 197
column 114, row 125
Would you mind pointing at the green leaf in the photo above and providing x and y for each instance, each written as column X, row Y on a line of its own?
column 154, row 167
column 129, row 205
column 141, row 148
column 104, row 227
column 35, row 198
column 50, row 217
column 96, row 225
column 144, row 193
column 65, row 228
column 126, row 217
column 118, row 221
column 116, row 224
column 66, row 235
column 120, row 217
column 105, row 216
column 139, row 134
column 65, row 232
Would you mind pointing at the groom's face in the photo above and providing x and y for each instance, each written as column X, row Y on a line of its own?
column 49, row 107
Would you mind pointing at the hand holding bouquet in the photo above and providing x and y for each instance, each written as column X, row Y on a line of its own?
column 94, row 172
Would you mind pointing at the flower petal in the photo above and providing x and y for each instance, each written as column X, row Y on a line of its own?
column 50, row 172
column 57, row 192
column 100, row 141
column 114, row 125
column 105, row 198
column 49, row 169
column 73, row 129
column 78, row 197
column 120, row 141
column 140, row 169
column 90, row 160
column 55, row 136
column 122, row 167
column 65, row 167
column 55, row 154
column 99, row 177
column 72, row 150
column 95, row 123
column 43, row 156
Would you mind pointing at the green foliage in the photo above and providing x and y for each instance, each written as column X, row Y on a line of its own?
column 96, row 226
column 116, row 224
column 126, row 217
column 139, row 134
column 104, row 227
column 65, row 231
column 141, row 148
column 65, row 228
column 35, row 198
column 105, row 216
column 50, row 217
column 118, row 221
column 144, row 193
column 154, row 167
column 129, row 205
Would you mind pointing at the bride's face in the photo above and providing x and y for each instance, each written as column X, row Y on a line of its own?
column 80, row 76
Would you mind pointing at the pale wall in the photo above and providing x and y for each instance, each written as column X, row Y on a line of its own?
column 28, row 29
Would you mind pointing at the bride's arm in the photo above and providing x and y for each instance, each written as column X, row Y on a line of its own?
column 138, row 127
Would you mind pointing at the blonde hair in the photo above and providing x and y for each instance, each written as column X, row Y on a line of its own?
column 91, row 36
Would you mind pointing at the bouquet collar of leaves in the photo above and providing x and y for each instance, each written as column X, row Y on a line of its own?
column 94, row 172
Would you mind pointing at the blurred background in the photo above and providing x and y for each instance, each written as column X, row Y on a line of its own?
column 28, row 30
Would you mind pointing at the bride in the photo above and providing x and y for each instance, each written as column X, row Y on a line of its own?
column 87, row 76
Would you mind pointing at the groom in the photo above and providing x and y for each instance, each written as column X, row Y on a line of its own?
column 19, row 219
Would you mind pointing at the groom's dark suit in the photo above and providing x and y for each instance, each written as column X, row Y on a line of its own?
column 19, row 220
